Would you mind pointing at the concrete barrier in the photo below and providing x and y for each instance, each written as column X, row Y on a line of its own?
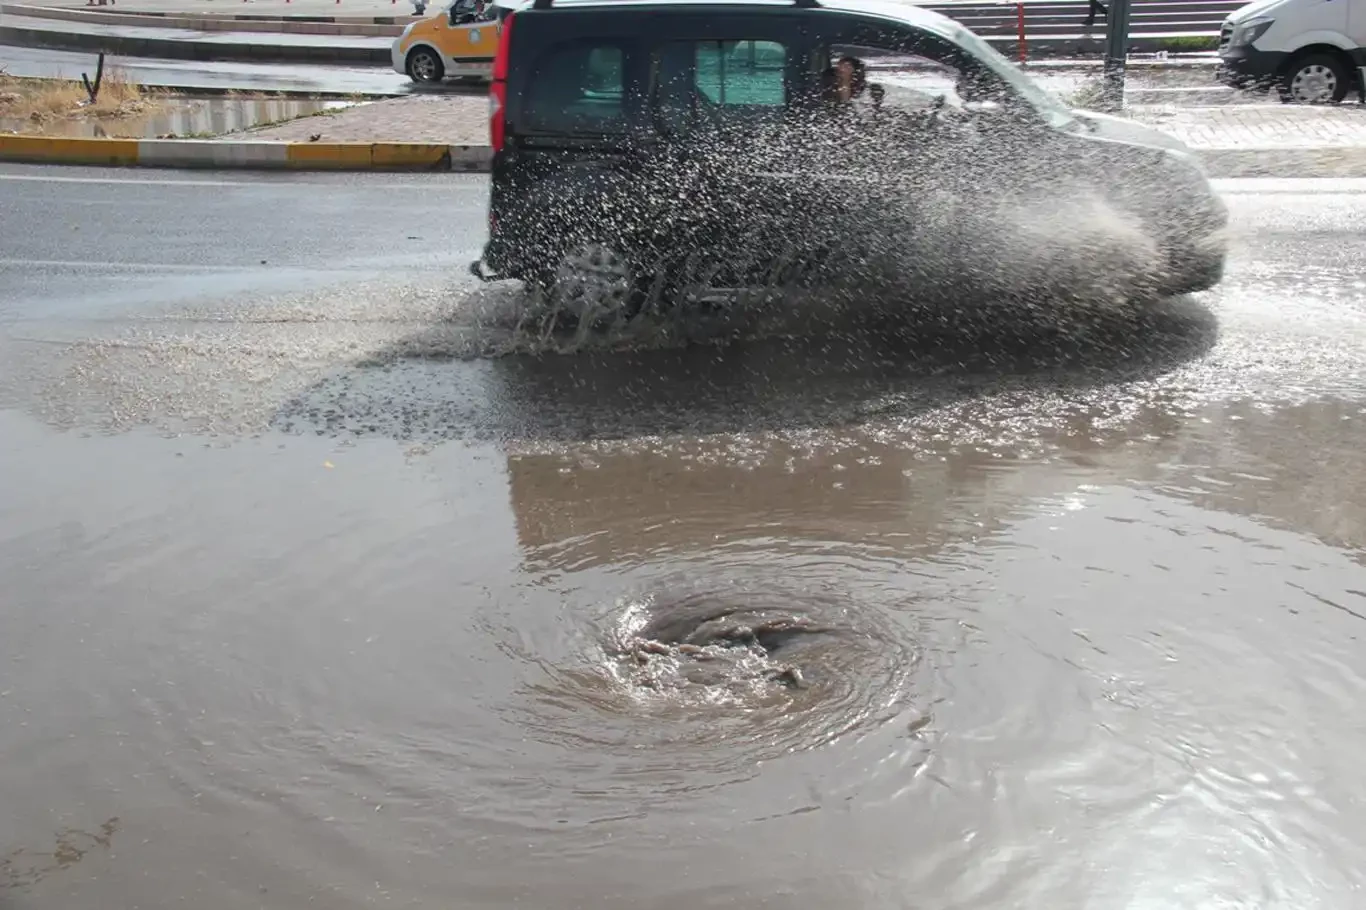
column 204, row 22
column 415, row 156
column 214, row 48
column 254, row 155
column 160, row 17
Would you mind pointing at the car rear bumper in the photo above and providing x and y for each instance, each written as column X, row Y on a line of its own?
column 498, row 259
column 480, row 269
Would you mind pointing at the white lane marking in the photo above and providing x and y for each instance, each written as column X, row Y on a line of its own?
column 148, row 181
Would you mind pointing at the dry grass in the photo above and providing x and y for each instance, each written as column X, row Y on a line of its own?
column 36, row 102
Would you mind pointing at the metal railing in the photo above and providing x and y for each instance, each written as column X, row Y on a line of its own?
column 1046, row 20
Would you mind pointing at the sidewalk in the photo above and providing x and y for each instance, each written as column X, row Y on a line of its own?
column 450, row 133
column 451, row 119
column 1272, row 140
column 1271, row 127
column 1245, row 140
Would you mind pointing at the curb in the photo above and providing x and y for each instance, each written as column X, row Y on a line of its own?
column 410, row 156
column 258, row 155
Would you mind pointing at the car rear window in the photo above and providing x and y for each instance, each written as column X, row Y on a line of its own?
column 578, row 88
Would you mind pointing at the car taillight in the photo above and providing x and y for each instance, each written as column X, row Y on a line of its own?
column 498, row 89
column 497, row 101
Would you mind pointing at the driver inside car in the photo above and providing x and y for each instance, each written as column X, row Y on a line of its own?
column 846, row 81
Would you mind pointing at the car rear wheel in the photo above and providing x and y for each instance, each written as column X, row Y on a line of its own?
column 594, row 283
column 1194, row 271
column 1315, row 79
column 425, row 66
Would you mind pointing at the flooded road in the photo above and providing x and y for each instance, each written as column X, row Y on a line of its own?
column 326, row 584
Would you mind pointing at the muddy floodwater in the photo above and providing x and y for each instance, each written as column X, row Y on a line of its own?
column 362, row 595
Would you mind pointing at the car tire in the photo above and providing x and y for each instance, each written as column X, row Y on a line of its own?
column 595, row 282
column 1195, row 275
column 425, row 66
column 1315, row 79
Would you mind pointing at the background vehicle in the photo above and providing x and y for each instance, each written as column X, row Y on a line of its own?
column 459, row 41
column 1309, row 51
column 633, row 140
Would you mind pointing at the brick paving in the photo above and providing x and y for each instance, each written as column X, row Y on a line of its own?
column 452, row 119
column 1260, row 126
column 463, row 120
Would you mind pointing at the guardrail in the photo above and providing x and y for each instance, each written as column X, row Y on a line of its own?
column 1054, row 19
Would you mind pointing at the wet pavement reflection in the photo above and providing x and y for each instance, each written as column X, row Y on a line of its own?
column 367, row 600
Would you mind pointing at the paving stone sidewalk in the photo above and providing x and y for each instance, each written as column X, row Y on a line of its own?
column 463, row 120
column 1258, row 126
column 452, row 119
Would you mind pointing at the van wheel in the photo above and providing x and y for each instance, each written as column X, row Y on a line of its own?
column 596, row 283
column 1315, row 79
column 425, row 66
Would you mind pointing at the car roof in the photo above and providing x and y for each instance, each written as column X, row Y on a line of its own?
column 907, row 11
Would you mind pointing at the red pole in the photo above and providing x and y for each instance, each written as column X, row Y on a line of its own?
column 1019, row 27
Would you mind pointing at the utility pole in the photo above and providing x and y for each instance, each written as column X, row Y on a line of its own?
column 1116, row 52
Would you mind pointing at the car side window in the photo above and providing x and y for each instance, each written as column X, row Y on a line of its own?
column 899, row 68
column 712, row 81
column 741, row 72
column 578, row 89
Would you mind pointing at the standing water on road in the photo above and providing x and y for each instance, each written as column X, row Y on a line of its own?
column 349, row 596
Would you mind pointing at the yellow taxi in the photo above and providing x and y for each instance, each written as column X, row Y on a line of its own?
column 459, row 41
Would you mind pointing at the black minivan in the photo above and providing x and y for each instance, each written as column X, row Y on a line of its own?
column 641, row 146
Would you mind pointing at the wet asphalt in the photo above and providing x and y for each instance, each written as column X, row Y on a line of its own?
column 327, row 583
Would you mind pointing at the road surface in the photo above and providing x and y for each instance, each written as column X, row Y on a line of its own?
column 327, row 584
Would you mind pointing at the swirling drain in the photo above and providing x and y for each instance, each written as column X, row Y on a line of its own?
column 723, row 644
column 765, row 665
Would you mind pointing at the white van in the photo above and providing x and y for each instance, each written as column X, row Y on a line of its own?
column 1309, row 51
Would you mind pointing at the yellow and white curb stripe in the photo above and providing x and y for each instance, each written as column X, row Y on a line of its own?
column 208, row 153
column 417, row 156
